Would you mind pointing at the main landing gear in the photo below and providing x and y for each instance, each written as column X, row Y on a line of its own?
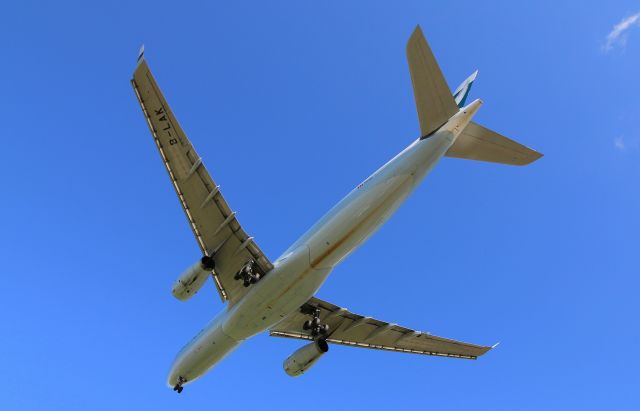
column 178, row 387
column 248, row 273
column 318, row 330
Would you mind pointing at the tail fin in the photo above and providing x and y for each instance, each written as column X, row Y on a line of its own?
column 461, row 93
column 436, row 105
column 480, row 143
column 434, row 101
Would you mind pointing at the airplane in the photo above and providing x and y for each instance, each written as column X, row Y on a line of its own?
column 279, row 296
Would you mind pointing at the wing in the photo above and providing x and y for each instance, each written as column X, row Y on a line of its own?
column 347, row 328
column 214, row 224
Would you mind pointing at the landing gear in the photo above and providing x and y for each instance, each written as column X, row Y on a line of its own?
column 178, row 387
column 248, row 273
column 318, row 330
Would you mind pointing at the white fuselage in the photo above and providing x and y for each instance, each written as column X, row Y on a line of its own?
column 302, row 269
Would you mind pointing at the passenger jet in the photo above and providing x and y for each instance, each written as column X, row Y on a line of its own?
column 279, row 296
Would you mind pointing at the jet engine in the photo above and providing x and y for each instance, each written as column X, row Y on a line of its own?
column 304, row 358
column 192, row 279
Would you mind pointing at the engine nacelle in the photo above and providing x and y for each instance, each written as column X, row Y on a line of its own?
column 192, row 279
column 304, row 358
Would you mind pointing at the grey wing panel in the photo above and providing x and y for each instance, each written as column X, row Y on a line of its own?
column 480, row 143
column 212, row 221
column 347, row 328
column 434, row 101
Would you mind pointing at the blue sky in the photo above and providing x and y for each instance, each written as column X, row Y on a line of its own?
column 291, row 104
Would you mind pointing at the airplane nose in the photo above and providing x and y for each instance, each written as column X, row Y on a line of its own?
column 174, row 373
column 172, row 379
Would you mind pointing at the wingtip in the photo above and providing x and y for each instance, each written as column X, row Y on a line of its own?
column 415, row 36
column 495, row 345
column 532, row 157
column 141, row 53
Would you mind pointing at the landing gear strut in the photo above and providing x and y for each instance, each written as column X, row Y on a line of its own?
column 178, row 387
column 318, row 330
column 248, row 273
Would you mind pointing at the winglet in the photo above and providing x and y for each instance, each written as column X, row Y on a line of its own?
column 461, row 93
column 141, row 53
column 495, row 345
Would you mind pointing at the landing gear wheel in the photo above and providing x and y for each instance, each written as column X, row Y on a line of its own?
column 178, row 387
column 249, row 274
column 318, row 330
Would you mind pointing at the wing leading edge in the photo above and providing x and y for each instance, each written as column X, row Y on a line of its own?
column 347, row 328
column 212, row 221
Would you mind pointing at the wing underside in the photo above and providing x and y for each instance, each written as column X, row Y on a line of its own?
column 214, row 224
column 346, row 328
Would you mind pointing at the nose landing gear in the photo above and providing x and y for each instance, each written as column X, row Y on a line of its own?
column 178, row 387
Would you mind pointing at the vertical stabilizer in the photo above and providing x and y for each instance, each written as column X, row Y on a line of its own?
column 434, row 101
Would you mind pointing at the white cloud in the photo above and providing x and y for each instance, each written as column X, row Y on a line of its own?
column 618, row 34
column 627, row 143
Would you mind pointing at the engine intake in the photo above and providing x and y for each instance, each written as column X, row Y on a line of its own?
column 304, row 358
column 191, row 280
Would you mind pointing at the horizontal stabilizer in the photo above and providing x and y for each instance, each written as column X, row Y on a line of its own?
column 479, row 143
column 434, row 101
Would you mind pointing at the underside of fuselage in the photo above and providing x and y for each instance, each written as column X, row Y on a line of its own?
column 304, row 267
